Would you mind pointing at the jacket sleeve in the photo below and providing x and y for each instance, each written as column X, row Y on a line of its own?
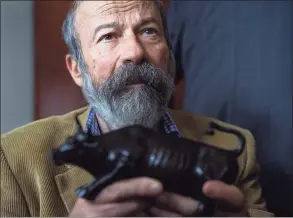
column 249, row 183
column 12, row 201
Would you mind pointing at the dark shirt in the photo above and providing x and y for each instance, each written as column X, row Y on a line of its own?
column 236, row 61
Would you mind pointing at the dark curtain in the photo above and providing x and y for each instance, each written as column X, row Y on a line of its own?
column 236, row 60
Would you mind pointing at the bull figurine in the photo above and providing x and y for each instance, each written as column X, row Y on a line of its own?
column 182, row 165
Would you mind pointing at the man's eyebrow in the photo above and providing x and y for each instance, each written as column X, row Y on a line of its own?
column 147, row 21
column 115, row 25
column 104, row 26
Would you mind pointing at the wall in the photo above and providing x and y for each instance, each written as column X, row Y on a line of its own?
column 17, row 107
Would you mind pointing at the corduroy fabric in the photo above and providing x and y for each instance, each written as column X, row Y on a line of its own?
column 31, row 185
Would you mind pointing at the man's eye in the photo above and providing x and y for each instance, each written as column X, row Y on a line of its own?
column 107, row 37
column 150, row 31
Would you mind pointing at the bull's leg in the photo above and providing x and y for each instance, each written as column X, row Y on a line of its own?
column 91, row 190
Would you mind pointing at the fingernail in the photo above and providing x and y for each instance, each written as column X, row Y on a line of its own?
column 155, row 187
column 205, row 186
column 208, row 189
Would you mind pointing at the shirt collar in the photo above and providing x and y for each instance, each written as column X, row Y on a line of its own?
column 92, row 124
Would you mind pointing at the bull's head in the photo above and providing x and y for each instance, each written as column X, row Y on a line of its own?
column 81, row 149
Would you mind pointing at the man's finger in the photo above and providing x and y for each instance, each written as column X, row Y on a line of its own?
column 87, row 208
column 127, row 208
column 176, row 203
column 227, row 195
column 138, row 187
column 154, row 211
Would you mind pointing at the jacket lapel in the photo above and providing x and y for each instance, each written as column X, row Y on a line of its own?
column 68, row 182
column 69, row 178
column 194, row 127
column 188, row 125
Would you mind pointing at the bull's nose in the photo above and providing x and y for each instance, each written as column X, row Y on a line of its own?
column 54, row 157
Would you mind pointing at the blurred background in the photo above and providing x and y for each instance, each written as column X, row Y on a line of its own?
column 34, row 80
column 234, row 63
column 17, row 58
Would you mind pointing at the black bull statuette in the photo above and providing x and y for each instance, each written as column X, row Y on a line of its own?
column 182, row 165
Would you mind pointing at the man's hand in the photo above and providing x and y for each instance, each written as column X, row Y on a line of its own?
column 123, row 198
column 229, row 197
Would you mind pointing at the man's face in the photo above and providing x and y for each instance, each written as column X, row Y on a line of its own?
column 126, row 77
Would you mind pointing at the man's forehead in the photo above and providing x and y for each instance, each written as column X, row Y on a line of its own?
column 115, row 7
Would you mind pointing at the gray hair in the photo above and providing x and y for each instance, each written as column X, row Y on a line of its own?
column 70, row 34
column 71, row 37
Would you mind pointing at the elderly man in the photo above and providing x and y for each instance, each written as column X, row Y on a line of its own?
column 119, row 56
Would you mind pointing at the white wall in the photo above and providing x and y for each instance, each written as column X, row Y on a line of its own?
column 17, row 100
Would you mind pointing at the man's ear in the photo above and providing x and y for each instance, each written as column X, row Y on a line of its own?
column 73, row 68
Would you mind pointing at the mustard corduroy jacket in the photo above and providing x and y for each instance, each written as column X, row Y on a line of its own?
column 31, row 185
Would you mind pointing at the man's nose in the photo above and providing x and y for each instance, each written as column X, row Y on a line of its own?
column 132, row 50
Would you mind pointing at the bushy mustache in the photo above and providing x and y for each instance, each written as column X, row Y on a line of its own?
column 142, row 73
column 120, row 106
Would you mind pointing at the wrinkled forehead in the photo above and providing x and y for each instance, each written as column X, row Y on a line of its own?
column 115, row 11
